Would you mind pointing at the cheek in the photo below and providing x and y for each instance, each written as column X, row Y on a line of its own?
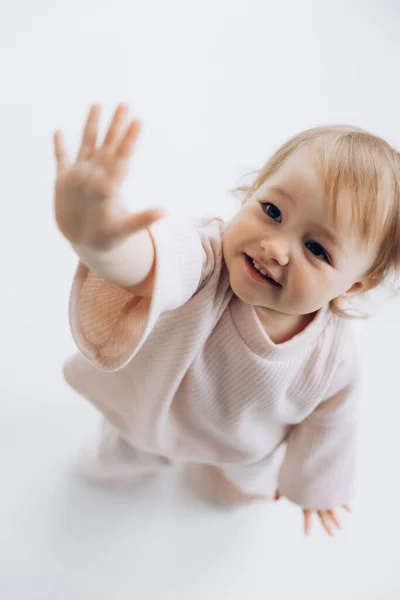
column 243, row 230
column 227, row 241
column 312, row 281
column 232, row 237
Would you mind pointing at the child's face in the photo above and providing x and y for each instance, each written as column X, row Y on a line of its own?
column 287, row 229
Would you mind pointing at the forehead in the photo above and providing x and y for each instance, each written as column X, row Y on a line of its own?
column 298, row 175
column 299, row 180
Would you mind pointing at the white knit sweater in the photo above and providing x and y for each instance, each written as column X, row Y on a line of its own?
column 192, row 375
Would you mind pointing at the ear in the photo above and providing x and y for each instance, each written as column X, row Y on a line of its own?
column 366, row 284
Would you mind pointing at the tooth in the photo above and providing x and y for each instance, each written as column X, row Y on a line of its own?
column 263, row 272
column 257, row 266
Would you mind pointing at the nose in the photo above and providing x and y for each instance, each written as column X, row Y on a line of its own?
column 276, row 250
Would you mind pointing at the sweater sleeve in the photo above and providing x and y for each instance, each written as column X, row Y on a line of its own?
column 319, row 467
column 109, row 324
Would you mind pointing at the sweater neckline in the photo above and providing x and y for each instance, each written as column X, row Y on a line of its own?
column 256, row 338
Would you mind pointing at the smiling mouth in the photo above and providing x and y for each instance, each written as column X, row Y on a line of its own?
column 256, row 272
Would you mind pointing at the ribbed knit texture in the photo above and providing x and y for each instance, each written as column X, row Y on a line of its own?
column 192, row 375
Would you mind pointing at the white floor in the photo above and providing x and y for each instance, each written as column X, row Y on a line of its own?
column 218, row 85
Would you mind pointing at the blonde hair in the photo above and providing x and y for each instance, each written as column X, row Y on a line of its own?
column 368, row 169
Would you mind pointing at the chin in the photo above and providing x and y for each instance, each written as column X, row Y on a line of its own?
column 241, row 293
column 246, row 296
column 245, row 299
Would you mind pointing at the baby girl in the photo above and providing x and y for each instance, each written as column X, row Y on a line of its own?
column 226, row 344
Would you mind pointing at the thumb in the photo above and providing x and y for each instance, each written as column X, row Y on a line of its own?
column 138, row 221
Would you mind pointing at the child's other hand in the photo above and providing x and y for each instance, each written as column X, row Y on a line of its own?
column 88, row 208
column 328, row 517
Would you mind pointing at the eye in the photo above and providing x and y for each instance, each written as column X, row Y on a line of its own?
column 272, row 211
column 318, row 251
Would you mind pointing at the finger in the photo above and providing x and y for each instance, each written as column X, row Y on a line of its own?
column 60, row 153
column 124, row 151
column 307, row 521
column 114, row 131
column 89, row 137
column 277, row 495
column 325, row 521
column 136, row 222
column 346, row 507
column 334, row 519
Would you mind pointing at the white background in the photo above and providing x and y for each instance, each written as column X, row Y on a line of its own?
column 218, row 85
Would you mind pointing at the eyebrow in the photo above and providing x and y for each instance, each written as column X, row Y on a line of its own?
column 282, row 192
column 329, row 234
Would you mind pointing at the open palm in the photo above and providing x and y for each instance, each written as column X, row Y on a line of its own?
column 88, row 208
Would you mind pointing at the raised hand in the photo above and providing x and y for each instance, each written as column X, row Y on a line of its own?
column 87, row 203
